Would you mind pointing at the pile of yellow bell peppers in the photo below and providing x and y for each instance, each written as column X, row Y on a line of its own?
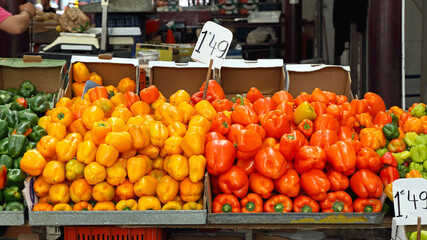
column 125, row 152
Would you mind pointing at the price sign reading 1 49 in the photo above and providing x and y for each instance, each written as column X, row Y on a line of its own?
column 213, row 43
column 410, row 200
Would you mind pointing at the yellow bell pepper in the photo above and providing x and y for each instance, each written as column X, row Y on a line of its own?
column 197, row 129
column 178, row 199
column 413, row 174
column 140, row 108
column 59, row 193
column 193, row 143
column 136, row 121
column 150, row 151
column 95, row 173
column 304, row 111
column 187, row 110
column 56, row 130
column 82, row 206
column 86, row 152
column 140, row 136
column 65, row 150
column 106, row 155
column 162, row 153
column 149, row 203
column 122, row 112
column 200, row 121
column 148, row 120
column 91, row 115
column 173, row 145
column 100, row 130
column 177, row 129
column 136, row 168
column 88, row 136
column 172, row 205
column 64, row 102
column 189, row 191
column 396, row 110
column 157, row 174
column 158, row 163
column 171, row 114
column 388, row 191
column 197, row 166
column 62, row 207
column 192, row 206
column 104, row 206
column 74, row 138
column 74, row 170
column 159, row 110
column 125, row 191
column 80, row 190
column 148, row 163
column 205, row 109
column 33, row 162
column 122, row 141
column 117, row 124
column 103, row 192
column 177, row 166
column 156, row 104
column 158, row 134
column 127, row 205
column 128, row 154
column 118, row 99
column 145, row 186
column 167, row 188
column 44, row 121
column 116, row 174
column 227, row 113
column 41, row 187
column 54, row 172
column 62, row 115
column 179, row 97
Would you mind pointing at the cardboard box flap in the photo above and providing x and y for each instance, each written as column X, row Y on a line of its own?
column 172, row 64
column 19, row 63
column 132, row 61
column 260, row 63
column 307, row 77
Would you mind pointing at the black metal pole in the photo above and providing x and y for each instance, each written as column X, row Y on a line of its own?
column 293, row 30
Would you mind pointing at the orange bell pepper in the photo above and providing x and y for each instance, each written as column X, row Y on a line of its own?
column 62, row 207
column 149, row 203
column 288, row 184
column 145, row 186
column 131, row 98
column 82, row 206
column 77, row 126
column 47, row 146
column 136, row 168
column 74, row 170
column 261, row 185
column 94, row 77
column 125, row 191
column 177, row 166
column 106, row 155
column 366, row 184
column 157, row 173
column 116, row 174
column 375, row 103
column 127, row 205
column 80, row 190
column 140, row 108
column 66, row 150
column 197, row 167
column 338, row 201
column 372, row 137
column 91, row 115
column 100, row 130
column 122, row 141
column 177, row 129
column 315, row 183
column 149, row 94
column 62, row 115
column 179, row 97
column 364, row 120
column 78, row 89
column 41, row 187
column 57, row 130
column 128, row 154
column 42, row 207
column 167, row 188
column 126, row 85
column 173, row 145
column 103, row 192
column 413, row 124
column 122, row 112
column 97, row 93
column 104, row 206
column 80, row 72
column 205, row 109
column 139, row 136
column 187, row 110
column 54, row 172
column 225, row 203
column 413, row 174
column 159, row 133
column 193, row 143
column 95, row 173
column 117, row 124
column 86, row 152
column 118, row 99
column 200, row 121
column 158, row 163
column 59, row 193
column 278, row 203
column 171, row 114
column 33, row 162
column 64, row 102
column 190, row 191
column 105, row 105
column 151, row 151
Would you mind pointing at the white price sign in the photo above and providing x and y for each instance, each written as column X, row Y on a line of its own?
column 410, row 200
column 213, row 43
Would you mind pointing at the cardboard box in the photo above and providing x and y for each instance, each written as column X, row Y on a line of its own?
column 170, row 77
column 307, row 77
column 46, row 74
column 207, row 236
column 237, row 76
column 112, row 70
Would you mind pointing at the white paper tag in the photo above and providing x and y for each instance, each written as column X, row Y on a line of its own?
column 410, row 200
column 213, row 43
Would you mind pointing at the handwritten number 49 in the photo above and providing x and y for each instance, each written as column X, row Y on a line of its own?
column 222, row 46
column 411, row 198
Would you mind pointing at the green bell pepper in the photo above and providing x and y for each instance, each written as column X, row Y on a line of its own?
column 22, row 128
column 12, row 194
column 31, row 145
column 425, row 165
column 418, row 111
column 16, row 177
column 382, row 151
column 51, row 96
column 28, row 116
column 17, row 145
column 409, row 138
column 5, row 97
column 39, row 104
column 4, row 144
column 17, row 163
column 391, row 131
column 414, row 236
column 424, row 175
column 3, row 129
column 419, row 153
column 7, row 161
column 11, row 117
column 403, row 170
column 401, row 157
column 16, row 105
column 14, row 206
column 13, row 91
column 421, row 139
column 416, row 166
column 394, row 118
column 27, row 89
column 37, row 133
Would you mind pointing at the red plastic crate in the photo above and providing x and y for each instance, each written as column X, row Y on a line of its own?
column 111, row 233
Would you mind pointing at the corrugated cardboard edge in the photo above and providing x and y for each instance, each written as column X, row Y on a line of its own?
column 172, row 64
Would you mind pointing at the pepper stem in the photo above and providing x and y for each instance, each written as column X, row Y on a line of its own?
column 250, row 206
column 126, row 209
column 338, row 206
column 368, row 208
column 278, row 207
column 306, row 126
column 61, row 116
column 306, row 209
column 226, row 208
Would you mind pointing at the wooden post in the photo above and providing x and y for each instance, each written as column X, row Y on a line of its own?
column 207, row 79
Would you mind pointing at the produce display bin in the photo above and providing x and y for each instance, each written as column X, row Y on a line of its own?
column 12, row 218
column 72, row 233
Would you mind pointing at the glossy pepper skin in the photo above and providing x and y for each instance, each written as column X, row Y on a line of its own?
column 396, row 145
column 167, row 188
column 16, row 145
column 192, row 206
column 214, row 89
column 305, row 204
column 193, row 143
column 149, row 203
column 82, row 206
column 367, row 205
column 290, row 143
column 366, row 184
column 388, row 159
column 248, row 143
column 289, row 184
column 323, row 138
column 264, row 105
column 234, row 181
column 342, row 157
column 221, row 123
column 309, row 157
column 243, row 114
column 275, row 123
column 339, row 181
column 367, row 158
column 270, row 163
column 315, row 183
column 278, row 203
column 339, row 201
column 306, row 127
column 254, row 94
column 220, row 155
column 33, row 162
column 251, row 203
column 225, row 203
column 127, row 205
column 42, row 207
column 222, row 105
column 197, row 165
column 80, row 190
column 189, row 191
column 261, row 185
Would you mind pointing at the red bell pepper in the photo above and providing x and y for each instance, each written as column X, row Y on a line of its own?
column 3, row 177
column 234, row 181
column 334, row 110
column 275, row 123
column 214, row 136
column 338, row 201
column 220, row 155
column 375, row 103
column 198, row 96
column 381, row 119
column 326, row 121
column 257, row 128
column 319, row 107
column 248, row 144
column 282, row 96
column 221, row 123
column 366, row 184
column 278, row 203
column 315, row 183
column 290, row 143
column 254, row 94
column 338, row 180
column 347, row 133
column 396, row 145
column 363, row 120
column 214, row 89
column 347, row 119
column 346, row 106
column 222, row 105
column 388, row 175
column 288, row 184
column 319, row 96
column 302, row 97
column 131, row 98
column 332, row 97
column 287, row 109
column 243, row 114
column 264, row 105
column 388, row 159
column 323, row 138
column 97, row 93
column 359, row 106
column 341, row 99
column 367, row 158
column 309, row 157
column 342, row 157
column 251, row 203
column 234, row 132
column 367, row 205
column 225, row 203
column 306, row 128
column 261, row 185
column 270, row 163
column 305, row 204
column 247, row 165
column 149, row 94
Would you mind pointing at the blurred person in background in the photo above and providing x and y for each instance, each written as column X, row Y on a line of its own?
column 47, row 7
column 18, row 23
